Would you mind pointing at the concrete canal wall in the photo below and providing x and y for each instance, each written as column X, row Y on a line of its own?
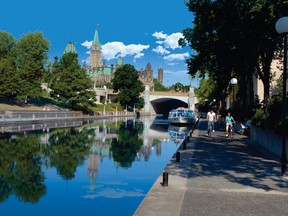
column 268, row 139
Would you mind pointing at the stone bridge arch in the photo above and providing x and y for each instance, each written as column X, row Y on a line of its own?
column 163, row 102
column 166, row 104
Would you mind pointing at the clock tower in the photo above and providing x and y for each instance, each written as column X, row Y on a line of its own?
column 96, row 52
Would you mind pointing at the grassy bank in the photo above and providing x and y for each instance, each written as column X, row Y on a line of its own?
column 41, row 103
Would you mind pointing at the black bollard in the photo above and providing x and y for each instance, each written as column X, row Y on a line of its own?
column 165, row 179
column 177, row 156
column 184, row 144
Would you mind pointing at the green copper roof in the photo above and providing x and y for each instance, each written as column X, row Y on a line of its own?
column 119, row 61
column 96, row 39
column 99, row 72
column 107, row 71
column 70, row 48
column 96, row 74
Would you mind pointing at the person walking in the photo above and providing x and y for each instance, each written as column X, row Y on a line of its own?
column 211, row 117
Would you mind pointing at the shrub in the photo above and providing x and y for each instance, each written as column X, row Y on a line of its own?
column 270, row 116
column 259, row 118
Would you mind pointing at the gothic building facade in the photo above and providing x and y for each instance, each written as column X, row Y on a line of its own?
column 99, row 72
column 102, row 74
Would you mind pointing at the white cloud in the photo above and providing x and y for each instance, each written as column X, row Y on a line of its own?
column 159, row 35
column 172, row 63
column 87, row 44
column 114, row 193
column 112, row 50
column 161, row 50
column 171, row 41
column 176, row 57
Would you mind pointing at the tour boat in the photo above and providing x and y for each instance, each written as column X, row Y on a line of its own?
column 181, row 116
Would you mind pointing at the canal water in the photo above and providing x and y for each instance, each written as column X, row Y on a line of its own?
column 103, row 167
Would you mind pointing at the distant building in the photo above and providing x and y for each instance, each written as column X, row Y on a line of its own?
column 102, row 74
column 70, row 48
column 146, row 75
column 276, row 69
column 160, row 75
column 99, row 72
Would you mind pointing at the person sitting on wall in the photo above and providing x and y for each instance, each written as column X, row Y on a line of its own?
column 245, row 129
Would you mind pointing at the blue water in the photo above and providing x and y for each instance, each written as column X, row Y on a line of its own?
column 83, row 171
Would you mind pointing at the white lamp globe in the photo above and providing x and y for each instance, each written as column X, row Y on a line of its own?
column 281, row 25
column 233, row 81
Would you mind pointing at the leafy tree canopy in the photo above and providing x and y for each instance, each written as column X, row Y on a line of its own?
column 206, row 91
column 126, row 81
column 22, row 64
column 70, row 84
column 233, row 38
column 31, row 57
column 159, row 87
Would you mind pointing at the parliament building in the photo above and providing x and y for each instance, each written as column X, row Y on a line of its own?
column 102, row 74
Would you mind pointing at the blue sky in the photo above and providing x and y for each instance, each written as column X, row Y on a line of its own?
column 139, row 31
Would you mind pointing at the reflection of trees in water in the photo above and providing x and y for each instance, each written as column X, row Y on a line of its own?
column 20, row 169
column 125, row 148
column 67, row 150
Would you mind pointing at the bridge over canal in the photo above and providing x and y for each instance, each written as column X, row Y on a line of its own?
column 156, row 102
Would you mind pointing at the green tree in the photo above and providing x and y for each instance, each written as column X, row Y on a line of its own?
column 178, row 87
column 159, row 87
column 31, row 57
column 126, row 81
column 7, row 44
column 9, row 79
column 233, row 38
column 70, row 84
column 206, row 91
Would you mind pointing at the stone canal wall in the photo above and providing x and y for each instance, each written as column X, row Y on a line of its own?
column 267, row 139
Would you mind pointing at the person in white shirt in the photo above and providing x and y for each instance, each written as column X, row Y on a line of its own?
column 211, row 117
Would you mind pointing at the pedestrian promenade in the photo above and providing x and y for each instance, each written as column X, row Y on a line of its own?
column 219, row 176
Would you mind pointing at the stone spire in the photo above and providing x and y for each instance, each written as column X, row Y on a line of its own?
column 96, row 41
column 96, row 52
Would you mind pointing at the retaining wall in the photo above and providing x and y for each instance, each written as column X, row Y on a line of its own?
column 268, row 139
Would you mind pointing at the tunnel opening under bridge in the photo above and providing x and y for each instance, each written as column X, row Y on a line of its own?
column 163, row 106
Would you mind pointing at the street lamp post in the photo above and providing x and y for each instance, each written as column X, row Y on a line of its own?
column 233, row 82
column 282, row 28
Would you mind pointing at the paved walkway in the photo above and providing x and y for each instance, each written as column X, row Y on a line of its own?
column 219, row 176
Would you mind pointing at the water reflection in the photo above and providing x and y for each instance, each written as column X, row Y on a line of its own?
column 105, row 156
column 20, row 169
column 67, row 149
column 127, row 145
column 178, row 133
